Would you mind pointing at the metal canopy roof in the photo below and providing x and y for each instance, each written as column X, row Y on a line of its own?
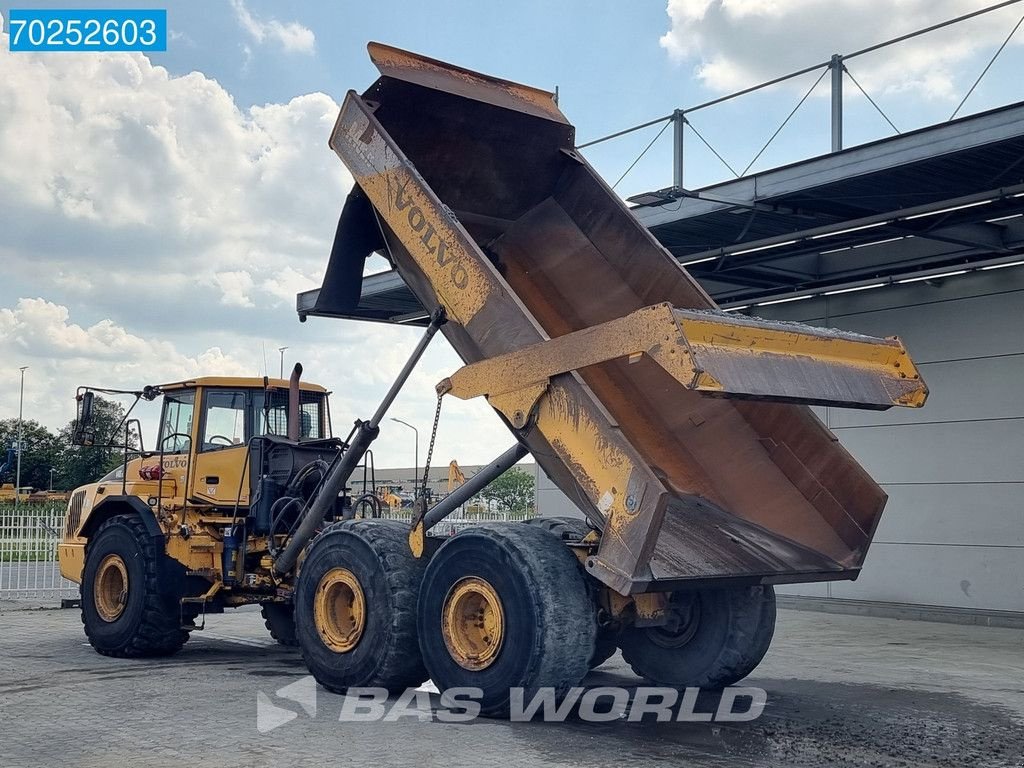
column 876, row 213
column 789, row 229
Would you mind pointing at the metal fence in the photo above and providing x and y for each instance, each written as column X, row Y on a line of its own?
column 28, row 546
column 461, row 519
column 28, row 553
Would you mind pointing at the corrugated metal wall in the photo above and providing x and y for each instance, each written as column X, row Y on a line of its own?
column 550, row 500
column 953, row 531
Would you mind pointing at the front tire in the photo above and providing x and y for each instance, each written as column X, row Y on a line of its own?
column 126, row 611
column 502, row 607
column 355, row 607
column 717, row 638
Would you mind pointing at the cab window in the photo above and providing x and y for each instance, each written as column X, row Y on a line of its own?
column 116, row 474
column 176, row 424
column 271, row 414
column 311, row 419
column 223, row 420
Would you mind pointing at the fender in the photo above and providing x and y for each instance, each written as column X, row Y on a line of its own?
column 173, row 575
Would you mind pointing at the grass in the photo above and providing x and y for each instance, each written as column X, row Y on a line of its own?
column 27, row 557
column 30, row 534
column 26, row 509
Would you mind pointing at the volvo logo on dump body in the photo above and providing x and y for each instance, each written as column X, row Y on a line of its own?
column 398, row 194
column 430, row 238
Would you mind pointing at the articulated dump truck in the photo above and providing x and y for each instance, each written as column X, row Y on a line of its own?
column 680, row 431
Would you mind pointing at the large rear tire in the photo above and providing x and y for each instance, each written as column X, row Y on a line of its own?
column 355, row 607
column 565, row 528
column 569, row 529
column 505, row 606
column 717, row 638
column 279, row 619
column 126, row 611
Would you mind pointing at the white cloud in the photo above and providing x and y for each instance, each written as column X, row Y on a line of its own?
column 153, row 231
column 44, row 331
column 737, row 43
column 291, row 36
column 147, row 201
column 235, row 287
column 288, row 282
column 131, row 167
column 359, row 363
column 181, row 38
column 61, row 354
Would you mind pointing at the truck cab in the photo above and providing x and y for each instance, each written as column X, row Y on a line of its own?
column 234, row 457
column 206, row 427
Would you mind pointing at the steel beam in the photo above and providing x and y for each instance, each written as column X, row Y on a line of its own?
column 839, row 226
column 678, row 130
column 836, row 66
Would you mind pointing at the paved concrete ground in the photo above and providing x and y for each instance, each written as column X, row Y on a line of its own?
column 842, row 691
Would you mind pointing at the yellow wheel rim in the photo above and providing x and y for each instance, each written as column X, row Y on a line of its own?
column 339, row 610
column 473, row 623
column 110, row 591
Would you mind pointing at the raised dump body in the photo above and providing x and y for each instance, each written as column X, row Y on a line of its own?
column 673, row 426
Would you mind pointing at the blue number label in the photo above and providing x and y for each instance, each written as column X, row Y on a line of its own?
column 87, row 30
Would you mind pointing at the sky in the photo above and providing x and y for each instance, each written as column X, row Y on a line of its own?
column 159, row 213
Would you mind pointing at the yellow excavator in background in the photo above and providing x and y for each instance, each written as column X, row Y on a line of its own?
column 388, row 497
column 29, row 495
column 455, row 477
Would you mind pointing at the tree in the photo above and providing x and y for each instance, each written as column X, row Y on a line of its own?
column 81, row 464
column 511, row 492
column 41, row 452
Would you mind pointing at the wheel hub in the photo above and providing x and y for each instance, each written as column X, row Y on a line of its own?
column 339, row 610
column 683, row 620
column 473, row 623
column 110, row 592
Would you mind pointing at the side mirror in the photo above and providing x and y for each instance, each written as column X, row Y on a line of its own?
column 85, row 431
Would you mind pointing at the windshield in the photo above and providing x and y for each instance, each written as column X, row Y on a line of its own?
column 176, row 424
column 117, row 473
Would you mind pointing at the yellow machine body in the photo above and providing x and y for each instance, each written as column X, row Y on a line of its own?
column 204, row 486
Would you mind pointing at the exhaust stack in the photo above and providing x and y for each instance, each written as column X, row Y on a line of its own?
column 293, row 402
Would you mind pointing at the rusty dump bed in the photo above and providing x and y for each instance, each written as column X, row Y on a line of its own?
column 673, row 426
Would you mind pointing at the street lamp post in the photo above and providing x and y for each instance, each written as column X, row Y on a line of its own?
column 51, row 478
column 281, row 350
column 21, row 410
column 416, row 469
